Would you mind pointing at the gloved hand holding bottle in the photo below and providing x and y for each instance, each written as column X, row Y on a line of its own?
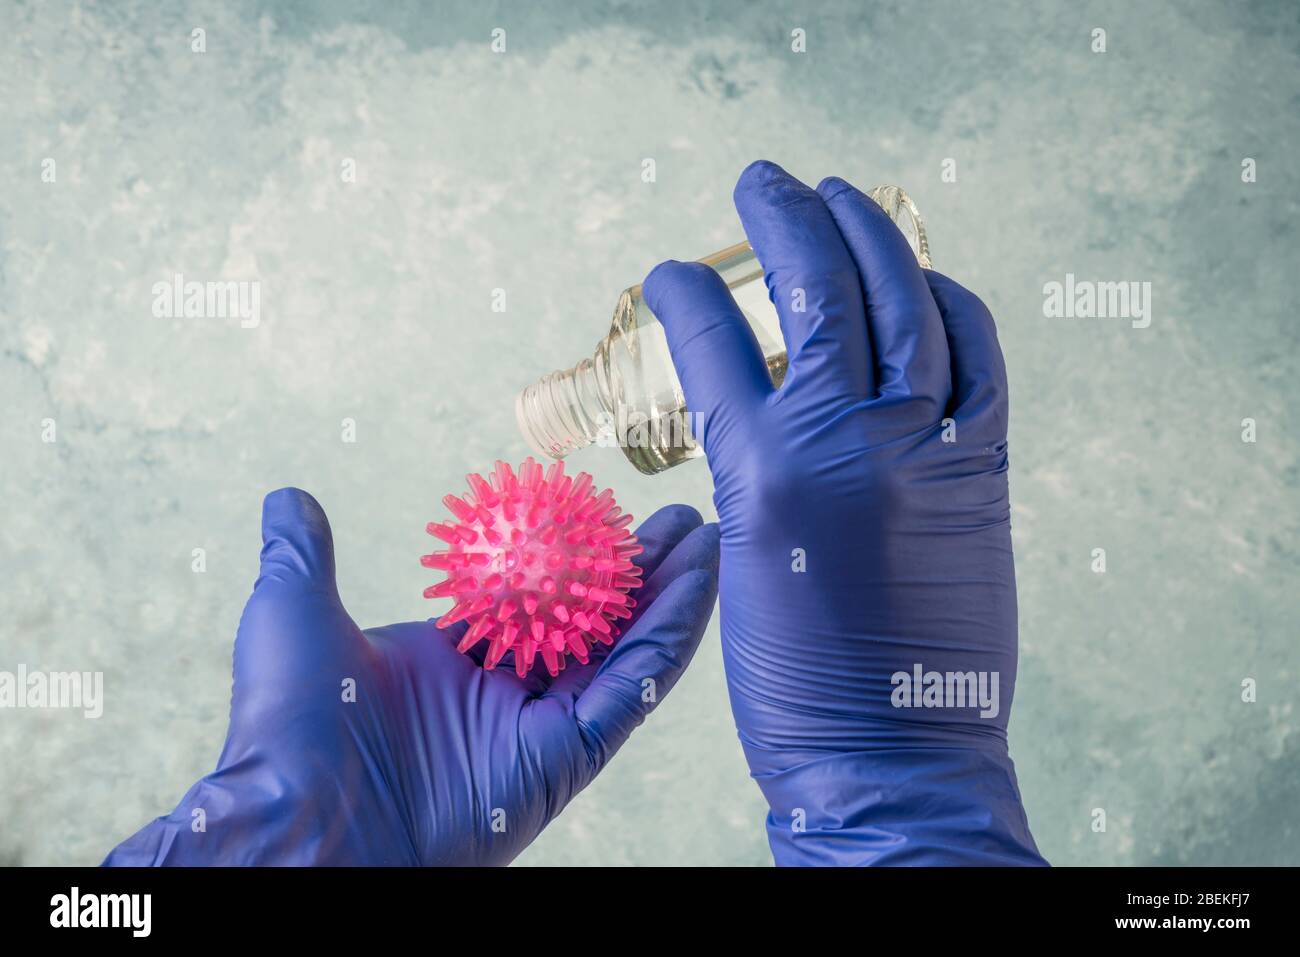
column 388, row 746
column 867, row 586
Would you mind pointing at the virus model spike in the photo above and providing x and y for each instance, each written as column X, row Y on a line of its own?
column 537, row 564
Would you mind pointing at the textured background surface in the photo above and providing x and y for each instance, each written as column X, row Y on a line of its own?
column 522, row 171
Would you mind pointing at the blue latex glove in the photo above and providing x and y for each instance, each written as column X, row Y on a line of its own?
column 905, row 537
column 437, row 761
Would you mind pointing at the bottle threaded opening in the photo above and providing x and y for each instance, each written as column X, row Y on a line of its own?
column 561, row 412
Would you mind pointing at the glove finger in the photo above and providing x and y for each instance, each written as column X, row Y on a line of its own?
column 698, row 550
column 907, row 337
column 660, row 534
column 644, row 665
column 717, row 358
column 812, row 281
column 979, row 372
column 294, row 626
column 297, row 544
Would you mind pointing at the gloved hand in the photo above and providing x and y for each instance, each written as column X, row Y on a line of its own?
column 434, row 760
column 863, row 536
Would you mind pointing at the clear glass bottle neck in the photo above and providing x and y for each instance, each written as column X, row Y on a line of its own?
column 567, row 409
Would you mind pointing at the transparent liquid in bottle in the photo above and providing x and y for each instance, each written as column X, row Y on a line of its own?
column 628, row 394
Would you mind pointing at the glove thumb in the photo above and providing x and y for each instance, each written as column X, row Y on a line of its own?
column 297, row 545
column 293, row 623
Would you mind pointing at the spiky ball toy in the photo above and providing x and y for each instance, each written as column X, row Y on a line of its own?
column 536, row 564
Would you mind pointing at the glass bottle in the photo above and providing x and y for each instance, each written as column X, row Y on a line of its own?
column 628, row 393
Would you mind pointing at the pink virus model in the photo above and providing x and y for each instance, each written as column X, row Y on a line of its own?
column 538, row 565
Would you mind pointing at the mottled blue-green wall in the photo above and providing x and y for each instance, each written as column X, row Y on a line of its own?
column 522, row 171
